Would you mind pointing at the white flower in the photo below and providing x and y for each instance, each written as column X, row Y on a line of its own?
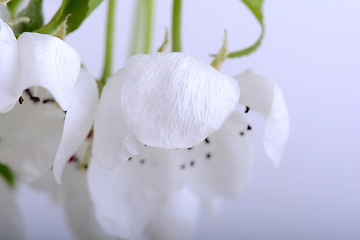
column 126, row 197
column 164, row 100
column 46, row 61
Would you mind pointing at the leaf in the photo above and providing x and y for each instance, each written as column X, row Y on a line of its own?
column 7, row 174
column 93, row 4
column 75, row 10
column 255, row 7
column 34, row 12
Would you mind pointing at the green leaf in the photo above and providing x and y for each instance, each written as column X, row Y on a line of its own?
column 255, row 7
column 7, row 174
column 77, row 9
column 34, row 12
column 93, row 4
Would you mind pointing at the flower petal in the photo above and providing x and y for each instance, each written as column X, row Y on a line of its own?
column 35, row 128
column 264, row 96
column 78, row 122
column 51, row 63
column 11, row 224
column 114, row 142
column 176, row 218
column 172, row 100
column 10, row 88
column 78, row 207
column 221, row 165
column 126, row 197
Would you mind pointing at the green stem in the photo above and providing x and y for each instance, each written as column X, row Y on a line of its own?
column 149, row 25
column 176, row 26
column 109, row 42
column 137, row 25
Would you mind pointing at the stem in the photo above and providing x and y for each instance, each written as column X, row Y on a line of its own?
column 109, row 42
column 149, row 25
column 137, row 25
column 176, row 26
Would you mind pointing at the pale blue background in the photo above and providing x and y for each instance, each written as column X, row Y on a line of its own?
column 312, row 49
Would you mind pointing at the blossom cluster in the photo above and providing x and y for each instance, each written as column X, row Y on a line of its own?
column 165, row 136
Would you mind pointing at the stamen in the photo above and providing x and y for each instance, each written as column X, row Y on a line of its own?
column 242, row 133
column 247, row 109
column 192, row 163
column 208, row 155
column 189, row 148
column 206, row 140
column 248, row 127
column 73, row 159
column 48, row 100
column 129, row 159
column 33, row 98
column 142, row 161
column 21, row 99
column 182, row 166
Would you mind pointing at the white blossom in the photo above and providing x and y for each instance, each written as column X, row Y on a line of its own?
column 176, row 99
column 48, row 62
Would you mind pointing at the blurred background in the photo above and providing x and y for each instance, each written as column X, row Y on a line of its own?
column 312, row 50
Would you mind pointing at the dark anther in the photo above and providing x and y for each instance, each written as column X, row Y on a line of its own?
column 90, row 134
column 242, row 133
column 247, row 109
column 85, row 166
column 248, row 127
column 182, row 166
column 33, row 98
column 206, row 140
column 73, row 159
column 21, row 100
column 48, row 100
column 208, row 155
column 192, row 163
column 189, row 148
column 129, row 159
column 142, row 161
column 145, row 145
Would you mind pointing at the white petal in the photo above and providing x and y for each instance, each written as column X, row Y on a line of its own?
column 220, row 166
column 78, row 207
column 51, row 63
column 172, row 100
column 10, row 86
column 113, row 140
column 176, row 218
column 78, row 122
column 35, row 129
column 126, row 197
column 264, row 96
column 11, row 224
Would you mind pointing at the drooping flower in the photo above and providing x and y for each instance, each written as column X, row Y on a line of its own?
column 164, row 100
column 46, row 61
column 171, row 93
